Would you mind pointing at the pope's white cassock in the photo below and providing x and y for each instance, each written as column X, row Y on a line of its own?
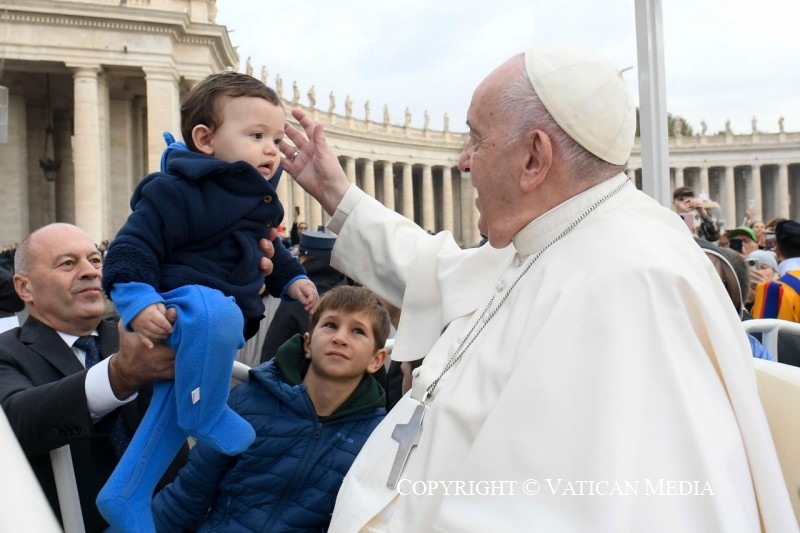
column 613, row 390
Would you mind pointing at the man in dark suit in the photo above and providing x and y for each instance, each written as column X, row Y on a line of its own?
column 50, row 398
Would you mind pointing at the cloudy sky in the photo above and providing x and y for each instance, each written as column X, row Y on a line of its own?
column 724, row 59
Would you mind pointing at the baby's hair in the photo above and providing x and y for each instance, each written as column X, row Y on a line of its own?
column 355, row 299
column 201, row 105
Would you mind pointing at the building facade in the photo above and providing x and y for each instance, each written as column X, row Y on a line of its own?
column 92, row 84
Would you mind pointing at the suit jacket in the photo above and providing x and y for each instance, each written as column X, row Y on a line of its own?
column 43, row 394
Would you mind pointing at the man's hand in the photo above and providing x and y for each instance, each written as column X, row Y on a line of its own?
column 269, row 251
column 136, row 364
column 316, row 168
column 697, row 204
column 757, row 277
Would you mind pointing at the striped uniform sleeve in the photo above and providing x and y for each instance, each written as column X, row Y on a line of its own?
column 767, row 303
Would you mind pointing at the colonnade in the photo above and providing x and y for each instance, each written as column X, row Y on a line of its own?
column 434, row 196
column 100, row 121
column 118, row 85
column 766, row 188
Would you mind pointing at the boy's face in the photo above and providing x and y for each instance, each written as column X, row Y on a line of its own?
column 342, row 346
column 251, row 130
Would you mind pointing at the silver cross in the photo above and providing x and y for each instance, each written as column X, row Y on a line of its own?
column 407, row 435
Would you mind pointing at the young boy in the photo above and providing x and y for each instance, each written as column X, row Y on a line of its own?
column 313, row 407
column 192, row 243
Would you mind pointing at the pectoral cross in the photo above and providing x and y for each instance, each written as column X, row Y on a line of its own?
column 407, row 435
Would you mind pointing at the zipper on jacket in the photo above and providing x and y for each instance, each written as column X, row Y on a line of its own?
column 224, row 518
column 299, row 474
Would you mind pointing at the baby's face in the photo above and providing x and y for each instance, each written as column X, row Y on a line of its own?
column 251, row 131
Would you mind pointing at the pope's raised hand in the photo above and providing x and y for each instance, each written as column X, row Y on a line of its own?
column 315, row 167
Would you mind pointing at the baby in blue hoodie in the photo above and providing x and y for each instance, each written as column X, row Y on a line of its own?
column 192, row 243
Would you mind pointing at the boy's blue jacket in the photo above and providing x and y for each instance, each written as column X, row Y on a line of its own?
column 289, row 477
column 199, row 223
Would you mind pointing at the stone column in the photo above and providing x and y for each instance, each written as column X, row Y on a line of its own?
column 104, row 101
column 15, row 202
column 350, row 169
column 704, row 183
column 428, row 217
column 678, row 177
column 782, row 192
column 469, row 213
column 473, row 230
column 369, row 177
column 728, row 200
column 447, row 199
column 314, row 211
column 283, row 196
column 109, row 205
column 88, row 166
column 388, row 185
column 298, row 199
column 753, row 188
column 65, row 183
column 465, row 211
column 138, row 142
column 408, row 192
column 118, row 176
column 163, row 111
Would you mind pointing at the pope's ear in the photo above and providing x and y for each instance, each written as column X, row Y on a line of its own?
column 202, row 137
column 538, row 159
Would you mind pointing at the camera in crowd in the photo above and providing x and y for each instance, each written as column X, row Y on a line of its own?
column 769, row 243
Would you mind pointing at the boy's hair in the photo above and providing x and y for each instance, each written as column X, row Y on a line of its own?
column 201, row 104
column 355, row 299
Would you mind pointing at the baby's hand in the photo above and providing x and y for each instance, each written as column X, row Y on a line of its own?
column 305, row 292
column 151, row 324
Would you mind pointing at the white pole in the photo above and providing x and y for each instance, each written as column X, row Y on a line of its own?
column 23, row 506
column 67, row 489
column 652, row 101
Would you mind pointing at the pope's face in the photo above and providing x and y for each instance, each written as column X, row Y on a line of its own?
column 487, row 158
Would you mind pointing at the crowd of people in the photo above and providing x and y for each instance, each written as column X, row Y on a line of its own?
column 548, row 356
column 763, row 256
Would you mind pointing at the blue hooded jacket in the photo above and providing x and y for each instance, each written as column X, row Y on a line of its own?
column 289, row 477
column 199, row 222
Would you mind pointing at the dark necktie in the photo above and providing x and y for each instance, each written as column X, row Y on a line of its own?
column 120, row 436
column 89, row 345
